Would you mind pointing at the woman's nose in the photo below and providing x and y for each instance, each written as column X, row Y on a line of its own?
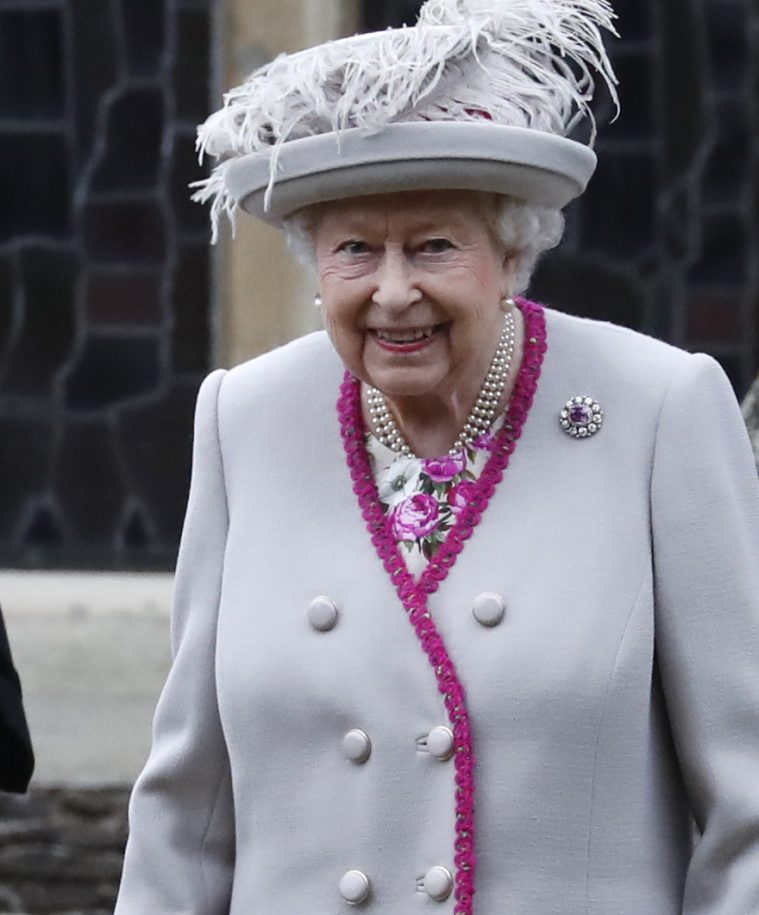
column 396, row 286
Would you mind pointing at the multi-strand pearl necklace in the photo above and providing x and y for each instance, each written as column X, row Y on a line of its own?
column 482, row 414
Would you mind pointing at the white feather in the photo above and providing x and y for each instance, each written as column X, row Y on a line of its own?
column 516, row 62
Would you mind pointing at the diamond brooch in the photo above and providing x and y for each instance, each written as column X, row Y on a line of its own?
column 582, row 417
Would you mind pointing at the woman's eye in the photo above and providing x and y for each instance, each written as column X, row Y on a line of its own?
column 437, row 245
column 354, row 247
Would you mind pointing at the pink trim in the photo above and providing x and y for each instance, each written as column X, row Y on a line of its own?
column 414, row 595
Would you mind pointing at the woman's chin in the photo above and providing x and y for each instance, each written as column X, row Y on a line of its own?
column 407, row 382
column 410, row 373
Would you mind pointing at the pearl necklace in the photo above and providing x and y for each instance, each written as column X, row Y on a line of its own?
column 482, row 414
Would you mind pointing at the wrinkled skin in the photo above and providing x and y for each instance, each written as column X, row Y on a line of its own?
column 412, row 286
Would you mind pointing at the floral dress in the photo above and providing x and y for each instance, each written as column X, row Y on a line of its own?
column 423, row 496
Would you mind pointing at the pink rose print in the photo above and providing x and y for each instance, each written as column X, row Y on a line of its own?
column 459, row 496
column 415, row 517
column 485, row 441
column 444, row 469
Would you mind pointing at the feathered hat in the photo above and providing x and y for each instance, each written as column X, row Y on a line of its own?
column 477, row 95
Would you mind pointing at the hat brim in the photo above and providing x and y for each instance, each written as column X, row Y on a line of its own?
column 518, row 162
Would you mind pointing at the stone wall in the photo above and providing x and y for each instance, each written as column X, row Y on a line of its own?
column 61, row 851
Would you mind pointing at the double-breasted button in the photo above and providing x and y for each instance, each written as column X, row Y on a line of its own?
column 440, row 742
column 322, row 614
column 354, row 887
column 438, row 883
column 357, row 746
column 488, row 608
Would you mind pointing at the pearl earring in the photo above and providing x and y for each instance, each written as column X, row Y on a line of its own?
column 507, row 304
column 318, row 301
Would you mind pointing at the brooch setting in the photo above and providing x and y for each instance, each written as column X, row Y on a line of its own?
column 582, row 417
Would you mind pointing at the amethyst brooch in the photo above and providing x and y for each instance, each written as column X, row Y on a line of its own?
column 582, row 417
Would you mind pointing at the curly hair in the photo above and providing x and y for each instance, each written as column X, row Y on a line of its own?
column 529, row 231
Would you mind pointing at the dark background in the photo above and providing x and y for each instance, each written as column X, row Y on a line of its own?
column 104, row 264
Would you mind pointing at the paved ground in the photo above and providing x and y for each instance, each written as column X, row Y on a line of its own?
column 93, row 653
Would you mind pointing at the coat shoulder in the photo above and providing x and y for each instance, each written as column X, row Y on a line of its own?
column 291, row 363
column 294, row 374
column 617, row 355
column 601, row 340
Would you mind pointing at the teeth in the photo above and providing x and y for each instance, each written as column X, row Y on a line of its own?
column 405, row 336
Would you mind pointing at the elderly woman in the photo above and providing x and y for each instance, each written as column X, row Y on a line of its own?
column 467, row 604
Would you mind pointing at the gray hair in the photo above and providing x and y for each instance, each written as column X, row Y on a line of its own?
column 524, row 228
column 529, row 231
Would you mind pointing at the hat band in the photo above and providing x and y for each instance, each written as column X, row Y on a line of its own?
column 433, row 155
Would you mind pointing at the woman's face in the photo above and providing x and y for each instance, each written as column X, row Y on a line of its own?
column 411, row 286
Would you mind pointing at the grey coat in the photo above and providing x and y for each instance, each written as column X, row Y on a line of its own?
column 617, row 698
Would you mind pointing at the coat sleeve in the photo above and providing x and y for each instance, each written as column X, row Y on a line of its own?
column 16, row 756
column 705, row 523
column 180, row 853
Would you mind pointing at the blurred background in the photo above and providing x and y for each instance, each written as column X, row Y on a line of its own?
column 113, row 308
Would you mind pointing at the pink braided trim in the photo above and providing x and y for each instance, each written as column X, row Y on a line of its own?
column 414, row 595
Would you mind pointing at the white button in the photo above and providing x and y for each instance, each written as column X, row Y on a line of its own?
column 440, row 742
column 322, row 614
column 357, row 746
column 354, row 887
column 489, row 608
column 438, row 883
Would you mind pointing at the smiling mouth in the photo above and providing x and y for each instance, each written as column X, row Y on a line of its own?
column 406, row 335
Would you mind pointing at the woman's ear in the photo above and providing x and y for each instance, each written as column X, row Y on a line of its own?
column 509, row 273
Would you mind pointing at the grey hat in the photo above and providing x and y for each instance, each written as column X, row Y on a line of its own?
column 478, row 95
